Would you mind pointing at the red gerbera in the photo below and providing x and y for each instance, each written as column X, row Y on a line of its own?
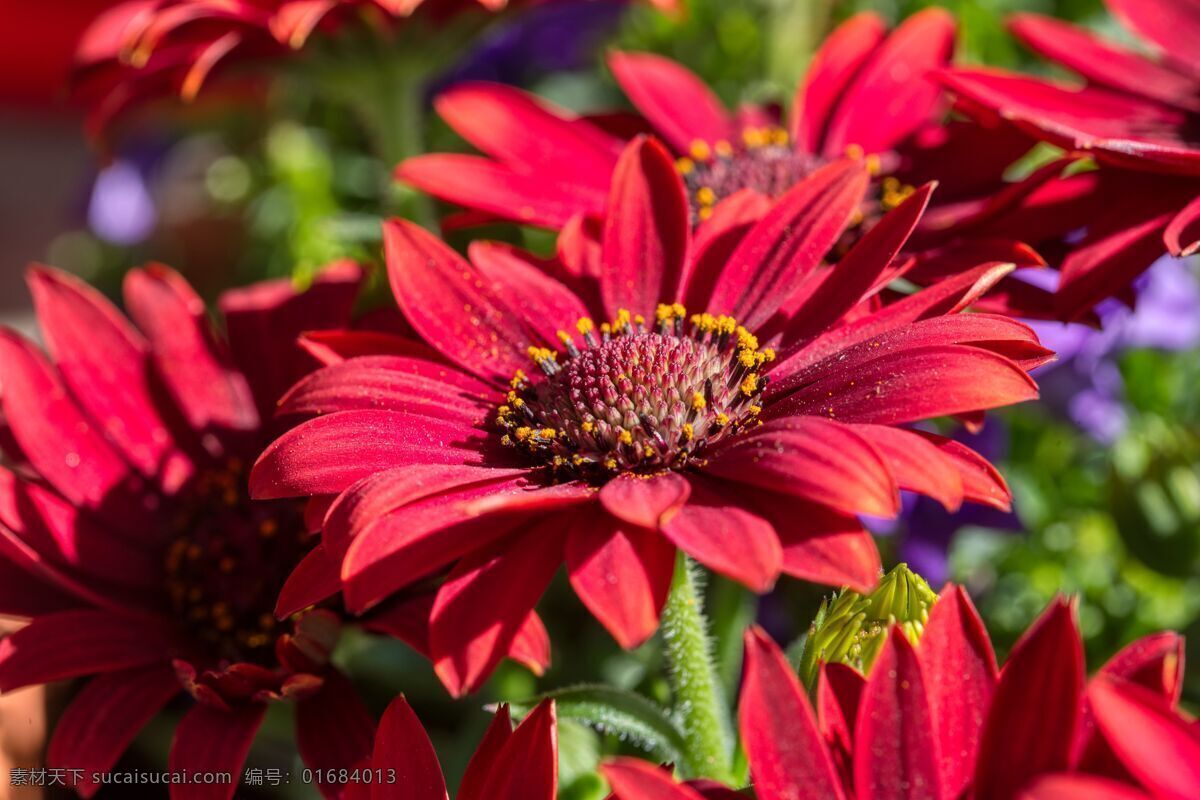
column 937, row 720
column 653, row 431
column 509, row 764
column 867, row 92
column 1136, row 115
column 127, row 538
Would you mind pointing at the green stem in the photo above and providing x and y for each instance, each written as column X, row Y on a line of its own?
column 699, row 697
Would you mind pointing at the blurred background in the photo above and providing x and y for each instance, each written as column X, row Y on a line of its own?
column 282, row 173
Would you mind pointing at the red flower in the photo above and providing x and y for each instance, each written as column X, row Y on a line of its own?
column 509, row 764
column 1136, row 115
column 146, row 49
column 643, row 435
column 866, row 93
column 127, row 538
column 937, row 720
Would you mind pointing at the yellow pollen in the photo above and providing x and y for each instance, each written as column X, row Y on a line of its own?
column 622, row 320
column 723, row 148
column 750, row 384
column 780, row 137
column 753, row 137
column 610, row 464
column 648, row 452
column 768, row 353
column 706, row 196
column 685, row 166
column 874, row 165
column 518, row 378
column 523, row 433
column 747, row 358
column 605, row 328
column 563, row 336
column 548, row 433
column 698, row 402
column 700, row 150
column 585, row 326
column 638, row 319
column 626, row 437
column 680, row 311
column 754, row 410
column 705, row 212
column 855, row 151
column 688, row 432
column 721, row 419
column 587, row 427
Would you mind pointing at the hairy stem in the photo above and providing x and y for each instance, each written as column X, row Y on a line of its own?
column 699, row 698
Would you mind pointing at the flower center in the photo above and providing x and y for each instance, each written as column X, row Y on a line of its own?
column 633, row 399
column 229, row 561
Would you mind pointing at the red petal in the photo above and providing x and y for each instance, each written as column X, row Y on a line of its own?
column 475, row 779
column 896, row 751
column 893, row 94
column 917, row 463
column 621, row 573
column 327, row 454
column 912, row 385
column 533, row 199
column 334, row 347
column 633, row 779
column 716, row 240
column 444, row 299
column 387, row 383
column 104, row 360
column 1030, row 727
column 647, row 231
column 677, row 103
column 1174, row 26
column 55, row 436
column 527, row 767
column 839, row 692
column 1154, row 661
column 210, row 740
column 960, row 672
column 706, row 525
column 1103, row 62
column 1155, row 743
column 523, row 287
column 485, row 600
column 531, row 646
column 839, row 59
column 814, row 459
column 334, row 730
column 1182, row 235
column 787, row 755
column 1077, row 786
column 417, row 540
column 199, row 375
column 854, row 275
column 74, row 643
column 402, row 745
column 265, row 320
column 104, row 717
column 528, row 134
column 644, row 501
column 784, row 248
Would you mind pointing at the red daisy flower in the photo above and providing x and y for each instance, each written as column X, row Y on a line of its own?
column 509, row 764
column 867, row 92
column 938, row 720
column 127, row 538
column 1136, row 115
column 655, row 431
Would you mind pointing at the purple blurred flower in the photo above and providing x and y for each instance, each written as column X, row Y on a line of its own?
column 1085, row 384
column 121, row 210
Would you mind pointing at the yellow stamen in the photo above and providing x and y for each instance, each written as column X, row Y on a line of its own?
column 698, row 402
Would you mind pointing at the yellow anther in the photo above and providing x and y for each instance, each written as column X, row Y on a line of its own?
column 723, row 148
column 855, row 151
column 680, row 311
column 517, row 402
column 548, row 433
column 698, row 401
column 563, row 336
column 768, row 353
column 506, row 440
column 747, row 358
column 558, row 461
column 585, row 326
column 587, row 427
column 721, row 419
column 705, row 196
column 518, row 378
column 746, row 338
column 578, row 460
column 625, row 437
column 688, row 433
column 705, row 213
column 664, row 313
column 638, row 319
column 780, row 137
column 648, row 452
column 753, row 137
column 605, row 328
column 685, row 165
column 610, row 464
column 874, row 165
column 750, row 384
column 700, row 150
column 622, row 320
column 523, row 433
column 754, row 410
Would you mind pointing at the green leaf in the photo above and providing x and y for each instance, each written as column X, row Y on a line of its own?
column 625, row 714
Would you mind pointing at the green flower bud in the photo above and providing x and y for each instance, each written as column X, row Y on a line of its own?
column 851, row 628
